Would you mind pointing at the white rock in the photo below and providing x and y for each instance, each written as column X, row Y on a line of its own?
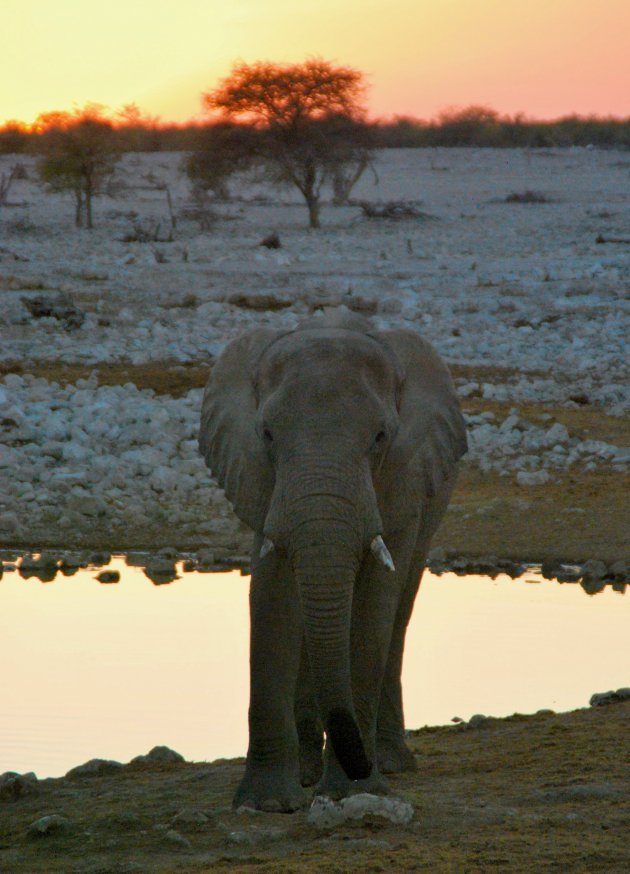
column 325, row 813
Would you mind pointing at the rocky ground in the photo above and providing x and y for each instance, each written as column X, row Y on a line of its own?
column 541, row 793
column 107, row 341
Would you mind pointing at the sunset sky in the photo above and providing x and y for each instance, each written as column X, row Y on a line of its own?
column 545, row 58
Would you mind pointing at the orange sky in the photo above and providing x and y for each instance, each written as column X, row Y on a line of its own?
column 543, row 57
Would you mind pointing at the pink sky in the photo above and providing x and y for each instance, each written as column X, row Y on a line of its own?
column 545, row 58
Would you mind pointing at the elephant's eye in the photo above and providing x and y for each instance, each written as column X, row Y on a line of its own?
column 380, row 438
column 267, row 435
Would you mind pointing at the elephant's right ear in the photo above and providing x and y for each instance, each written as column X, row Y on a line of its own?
column 227, row 437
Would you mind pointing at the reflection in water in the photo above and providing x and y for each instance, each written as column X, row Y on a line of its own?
column 111, row 669
column 593, row 576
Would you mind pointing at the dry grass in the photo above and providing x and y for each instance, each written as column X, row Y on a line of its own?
column 164, row 377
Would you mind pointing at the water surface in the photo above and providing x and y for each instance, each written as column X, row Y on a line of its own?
column 95, row 670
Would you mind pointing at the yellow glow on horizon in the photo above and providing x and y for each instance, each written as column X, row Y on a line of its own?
column 545, row 57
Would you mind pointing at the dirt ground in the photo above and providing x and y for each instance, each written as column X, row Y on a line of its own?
column 542, row 793
column 577, row 516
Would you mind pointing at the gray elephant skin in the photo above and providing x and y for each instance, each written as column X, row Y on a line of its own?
column 338, row 445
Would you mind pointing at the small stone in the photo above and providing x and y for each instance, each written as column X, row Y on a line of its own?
column 168, row 552
column 620, row 570
column 600, row 699
column 325, row 813
column 394, row 809
column 240, row 838
column 108, row 577
column 272, row 241
column 95, row 768
column 478, row 720
column 582, row 792
column 190, row 820
column 161, row 571
column 99, row 558
column 159, row 755
column 594, row 570
column 176, row 840
column 14, row 786
column 568, row 573
column 49, row 825
column 72, row 560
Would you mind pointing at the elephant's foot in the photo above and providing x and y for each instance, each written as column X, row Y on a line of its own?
column 335, row 784
column 394, row 756
column 270, row 788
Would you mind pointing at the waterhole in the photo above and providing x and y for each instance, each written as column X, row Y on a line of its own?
column 110, row 669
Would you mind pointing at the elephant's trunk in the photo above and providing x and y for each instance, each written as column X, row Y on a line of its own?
column 324, row 516
column 325, row 582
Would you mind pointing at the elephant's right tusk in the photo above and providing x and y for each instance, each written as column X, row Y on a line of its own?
column 266, row 548
column 381, row 552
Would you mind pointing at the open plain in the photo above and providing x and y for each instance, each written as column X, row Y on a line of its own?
column 108, row 336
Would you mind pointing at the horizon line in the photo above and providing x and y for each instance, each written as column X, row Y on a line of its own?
column 150, row 121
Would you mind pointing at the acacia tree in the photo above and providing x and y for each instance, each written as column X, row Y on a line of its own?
column 307, row 118
column 79, row 155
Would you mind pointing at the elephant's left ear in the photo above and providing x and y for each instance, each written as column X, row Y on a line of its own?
column 432, row 434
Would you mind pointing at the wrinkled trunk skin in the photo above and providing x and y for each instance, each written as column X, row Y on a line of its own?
column 325, row 529
column 325, row 586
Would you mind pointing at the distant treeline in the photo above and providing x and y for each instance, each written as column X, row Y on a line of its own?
column 486, row 128
column 474, row 126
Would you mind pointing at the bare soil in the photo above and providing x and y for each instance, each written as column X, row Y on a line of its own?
column 542, row 793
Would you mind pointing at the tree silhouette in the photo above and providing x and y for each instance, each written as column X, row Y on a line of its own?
column 308, row 120
column 79, row 155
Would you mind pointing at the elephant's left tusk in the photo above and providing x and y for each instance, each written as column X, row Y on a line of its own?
column 381, row 552
column 266, row 548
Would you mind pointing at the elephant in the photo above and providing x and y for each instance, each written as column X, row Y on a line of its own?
column 338, row 444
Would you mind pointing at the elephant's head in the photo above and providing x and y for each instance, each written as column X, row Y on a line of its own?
column 325, row 439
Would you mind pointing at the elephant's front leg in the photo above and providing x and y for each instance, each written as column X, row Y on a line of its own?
column 272, row 775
